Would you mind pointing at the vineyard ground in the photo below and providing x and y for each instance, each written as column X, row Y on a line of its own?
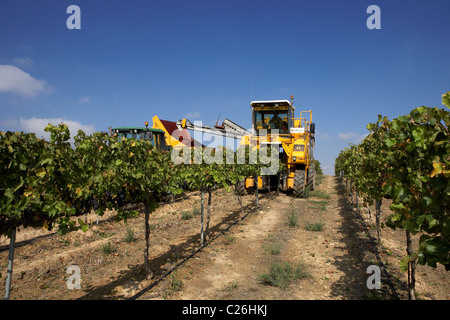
column 335, row 258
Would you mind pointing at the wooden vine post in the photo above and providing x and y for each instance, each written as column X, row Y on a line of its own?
column 9, row 269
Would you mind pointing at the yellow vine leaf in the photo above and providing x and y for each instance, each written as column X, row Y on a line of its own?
column 439, row 168
column 41, row 173
column 27, row 193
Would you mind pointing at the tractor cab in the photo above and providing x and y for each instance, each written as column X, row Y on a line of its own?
column 155, row 136
column 271, row 115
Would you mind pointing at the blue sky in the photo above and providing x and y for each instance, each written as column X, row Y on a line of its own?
column 132, row 60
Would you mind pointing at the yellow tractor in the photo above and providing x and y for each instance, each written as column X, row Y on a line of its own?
column 274, row 123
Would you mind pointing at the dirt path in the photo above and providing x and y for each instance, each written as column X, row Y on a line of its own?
column 335, row 258
column 327, row 241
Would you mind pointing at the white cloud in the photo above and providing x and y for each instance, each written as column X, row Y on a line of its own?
column 192, row 115
column 351, row 136
column 324, row 136
column 84, row 99
column 14, row 80
column 37, row 125
column 23, row 61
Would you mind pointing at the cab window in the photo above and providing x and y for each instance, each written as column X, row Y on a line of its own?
column 272, row 120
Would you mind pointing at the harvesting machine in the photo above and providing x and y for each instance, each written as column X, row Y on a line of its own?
column 274, row 123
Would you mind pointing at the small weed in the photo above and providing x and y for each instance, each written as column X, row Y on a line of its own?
column 320, row 194
column 186, row 215
column 314, row 226
column 108, row 248
column 273, row 248
column 65, row 241
column 230, row 286
column 44, row 286
column 282, row 273
column 103, row 235
column 230, row 240
column 177, row 284
column 195, row 211
column 306, row 193
column 292, row 218
column 320, row 205
column 319, row 202
column 373, row 295
column 130, row 235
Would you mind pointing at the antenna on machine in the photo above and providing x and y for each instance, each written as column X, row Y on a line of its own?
column 217, row 121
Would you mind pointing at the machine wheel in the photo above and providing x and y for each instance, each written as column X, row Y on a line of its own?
column 312, row 178
column 240, row 188
column 313, row 185
column 299, row 184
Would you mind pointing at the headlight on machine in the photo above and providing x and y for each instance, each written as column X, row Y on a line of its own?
column 299, row 147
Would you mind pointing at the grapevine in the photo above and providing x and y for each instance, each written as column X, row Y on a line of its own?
column 408, row 159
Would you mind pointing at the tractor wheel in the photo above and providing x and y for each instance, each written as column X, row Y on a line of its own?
column 240, row 188
column 312, row 178
column 299, row 183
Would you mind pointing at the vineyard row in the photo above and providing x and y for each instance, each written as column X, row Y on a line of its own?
column 45, row 184
column 407, row 159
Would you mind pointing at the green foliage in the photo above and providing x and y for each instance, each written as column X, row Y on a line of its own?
column 408, row 160
column 446, row 99
column 47, row 184
column 317, row 167
column 35, row 178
